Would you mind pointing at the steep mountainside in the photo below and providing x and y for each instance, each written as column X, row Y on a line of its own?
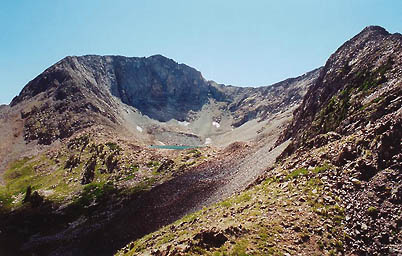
column 336, row 189
column 355, row 105
column 366, row 69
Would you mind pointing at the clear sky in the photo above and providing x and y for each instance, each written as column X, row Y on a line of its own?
column 245, row 43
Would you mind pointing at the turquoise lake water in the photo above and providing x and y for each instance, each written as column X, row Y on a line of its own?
column 173, row 147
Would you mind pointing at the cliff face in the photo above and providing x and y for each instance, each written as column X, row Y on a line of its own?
column 157, row 86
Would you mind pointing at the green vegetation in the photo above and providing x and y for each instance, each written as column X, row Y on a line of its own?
column 134, row 168
column 243, row 197
column 24, row 173
column 195, row 153
column 94, row 192
column 335, row 111
column 372, row 103
column 18, row 178
column 61, row 177
column 141, row 186
column 113, row 146
column 321, row 168
column 372, row 211
column 5, row 199
column 226, row 203
column 239, row 248
column 338, row 107
column 188, row 218
column 369, row 80
column 296, row 173
column 152, row 164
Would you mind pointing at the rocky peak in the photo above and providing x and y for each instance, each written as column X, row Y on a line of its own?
column 373, row 30
column 157, row 86
column 362, row 66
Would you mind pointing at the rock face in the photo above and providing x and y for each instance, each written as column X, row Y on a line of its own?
column 157, row 86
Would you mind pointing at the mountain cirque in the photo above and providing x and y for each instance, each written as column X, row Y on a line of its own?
column 307, row 166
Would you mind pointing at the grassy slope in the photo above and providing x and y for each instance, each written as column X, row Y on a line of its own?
column 47, row 173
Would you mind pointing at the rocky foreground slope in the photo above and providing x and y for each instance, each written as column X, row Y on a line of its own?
column 336, row 189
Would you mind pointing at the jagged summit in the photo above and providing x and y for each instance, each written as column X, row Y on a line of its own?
column 374, row 30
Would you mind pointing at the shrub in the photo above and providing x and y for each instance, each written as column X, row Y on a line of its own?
column 372, row 211
column 113, row 146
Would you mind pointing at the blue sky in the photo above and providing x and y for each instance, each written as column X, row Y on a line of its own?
column 245, row 43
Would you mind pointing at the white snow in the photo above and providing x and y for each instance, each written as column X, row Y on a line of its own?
column 184, row 123
column 208, row 141
column 216, row 124
column 139, row 128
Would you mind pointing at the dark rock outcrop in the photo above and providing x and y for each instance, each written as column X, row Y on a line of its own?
column 89, row 171
column 33, row 198
column 210, row 238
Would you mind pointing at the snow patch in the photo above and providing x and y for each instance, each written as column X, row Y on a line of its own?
column 139, row 129
column 208, row 141
column 184, row 123
column 216, row 124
